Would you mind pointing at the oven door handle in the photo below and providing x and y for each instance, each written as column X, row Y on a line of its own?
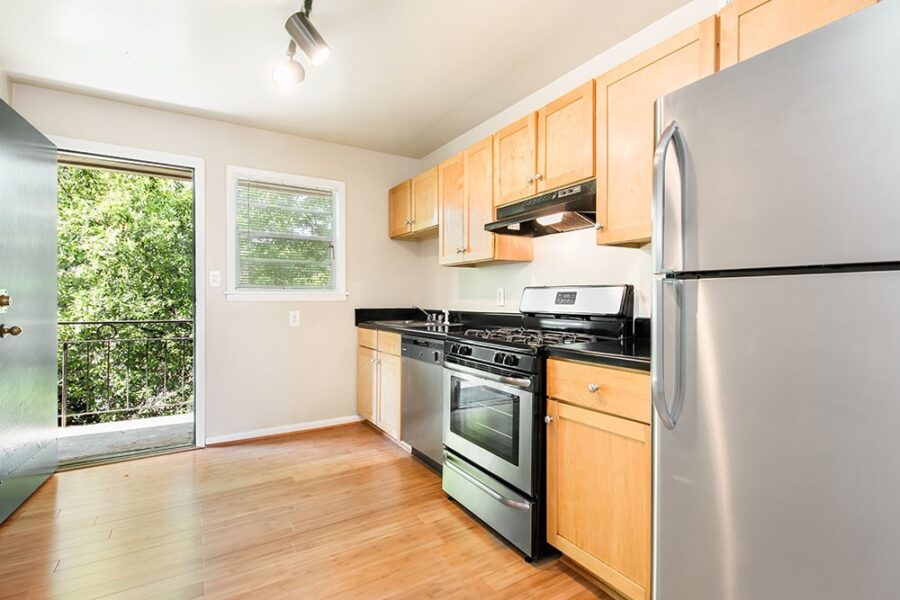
column 518, row 505
column 519, row 382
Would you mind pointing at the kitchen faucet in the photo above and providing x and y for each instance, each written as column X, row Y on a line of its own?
column 431, row 318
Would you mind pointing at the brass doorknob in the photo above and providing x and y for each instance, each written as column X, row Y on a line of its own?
column 14, row 330
column 4, row 300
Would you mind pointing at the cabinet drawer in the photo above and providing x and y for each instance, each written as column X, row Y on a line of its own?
column 615, row 391
column 389, row 343
column 367, row 337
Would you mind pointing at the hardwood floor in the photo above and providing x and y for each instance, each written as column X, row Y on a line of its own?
column 338, row 513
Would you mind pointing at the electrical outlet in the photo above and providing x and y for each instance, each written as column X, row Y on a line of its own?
column 294, row 318
column 501, row 297
column 215, row 279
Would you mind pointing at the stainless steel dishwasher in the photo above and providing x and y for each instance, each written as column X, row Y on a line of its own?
column 422, row 398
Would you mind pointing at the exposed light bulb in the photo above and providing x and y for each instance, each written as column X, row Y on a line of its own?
column 551, row 219
column 289, row 72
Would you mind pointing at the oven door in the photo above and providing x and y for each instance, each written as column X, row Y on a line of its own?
column 489, row 420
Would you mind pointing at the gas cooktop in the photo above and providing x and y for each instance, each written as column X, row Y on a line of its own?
column 529, row 337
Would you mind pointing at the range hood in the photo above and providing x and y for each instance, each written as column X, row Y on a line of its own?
column 562, row 210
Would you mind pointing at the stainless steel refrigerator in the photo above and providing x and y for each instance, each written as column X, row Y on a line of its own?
column 27, row 309
column 776, row 323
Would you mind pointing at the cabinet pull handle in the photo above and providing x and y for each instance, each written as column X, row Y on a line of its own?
column 593, row 388
column 530, row 180
column 538, row 177
column 548, row 419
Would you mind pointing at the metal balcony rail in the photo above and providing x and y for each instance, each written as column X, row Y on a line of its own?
column 120, row 370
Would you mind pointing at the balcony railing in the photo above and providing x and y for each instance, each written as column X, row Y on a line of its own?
column 120, row 370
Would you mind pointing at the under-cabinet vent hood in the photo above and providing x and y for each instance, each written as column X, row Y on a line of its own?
column 563, row 210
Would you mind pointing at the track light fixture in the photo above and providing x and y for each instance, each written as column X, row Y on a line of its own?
column 307, row 36
column 289, row 72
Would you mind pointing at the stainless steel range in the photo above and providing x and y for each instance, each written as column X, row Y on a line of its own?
column 494, row 403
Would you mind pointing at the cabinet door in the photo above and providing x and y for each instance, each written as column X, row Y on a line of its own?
column 400, row 210
column 365, row 383
column 389, row 382
column 452, row 203
column 515, row 161
column 425, row 200
column 479, row 192
column 566, row 139
column 599, row 495
column 626, row 128
column 749, row 27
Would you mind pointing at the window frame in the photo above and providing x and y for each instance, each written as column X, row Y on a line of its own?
column 338, row 189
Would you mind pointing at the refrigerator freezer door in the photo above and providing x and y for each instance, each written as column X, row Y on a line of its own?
column 791, row 156
column 781, row 477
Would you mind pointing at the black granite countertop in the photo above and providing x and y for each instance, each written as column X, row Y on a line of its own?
column 630, row 354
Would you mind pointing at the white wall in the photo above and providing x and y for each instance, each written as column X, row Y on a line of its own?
column 261, row 373
column 569, row 258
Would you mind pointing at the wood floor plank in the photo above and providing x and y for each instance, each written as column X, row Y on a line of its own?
column 340, row 513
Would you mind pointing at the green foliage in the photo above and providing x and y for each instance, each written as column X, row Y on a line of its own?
column 125, row 246
column 125, row 254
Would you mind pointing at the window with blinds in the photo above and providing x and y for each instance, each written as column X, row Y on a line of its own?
column 284, row 237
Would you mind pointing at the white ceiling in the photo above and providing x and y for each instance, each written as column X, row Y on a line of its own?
column 406, row 76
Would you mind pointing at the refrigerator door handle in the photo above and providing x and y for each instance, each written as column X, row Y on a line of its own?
column 671, row 135
column 667, row 416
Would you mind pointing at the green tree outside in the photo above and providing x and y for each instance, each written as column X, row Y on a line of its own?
column 126, row 246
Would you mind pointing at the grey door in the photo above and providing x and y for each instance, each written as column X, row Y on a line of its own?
column 781, row 478
column 791, row 156
column 28, row 276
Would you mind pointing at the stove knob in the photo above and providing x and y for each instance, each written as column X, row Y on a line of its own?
column 454, row 348
column 465, row 351
column 510, row 360
column 498, row 358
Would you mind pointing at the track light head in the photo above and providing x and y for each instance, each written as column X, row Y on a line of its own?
column 307, row 37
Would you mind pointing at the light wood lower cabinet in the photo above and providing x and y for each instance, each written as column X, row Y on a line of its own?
column 388, row 405
column 378, row 379
column 366, row 382
column 599, row 486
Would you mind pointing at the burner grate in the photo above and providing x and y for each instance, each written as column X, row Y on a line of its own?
column 530, row 337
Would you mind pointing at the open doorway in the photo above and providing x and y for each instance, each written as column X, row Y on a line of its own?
column 127, row 306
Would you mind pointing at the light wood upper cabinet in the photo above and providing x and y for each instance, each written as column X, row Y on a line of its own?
column 749, row 27
column 425, row 200
column 413, row 207
column 478, row 163
column 466, row 192
column 366, row 391
column 400, row 210
column 452, row 209
column 515, row 161
column 566, row 139
column 388, row 406
column 626, row 127
column 599, row 495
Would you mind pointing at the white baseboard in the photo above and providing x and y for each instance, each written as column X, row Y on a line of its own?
column 281, row 429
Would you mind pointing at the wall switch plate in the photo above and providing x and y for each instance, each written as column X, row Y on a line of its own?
column 294, row 318
column 501, row 297
column 215, row 278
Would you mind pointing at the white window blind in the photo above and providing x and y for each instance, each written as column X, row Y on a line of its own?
column 285, row 237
